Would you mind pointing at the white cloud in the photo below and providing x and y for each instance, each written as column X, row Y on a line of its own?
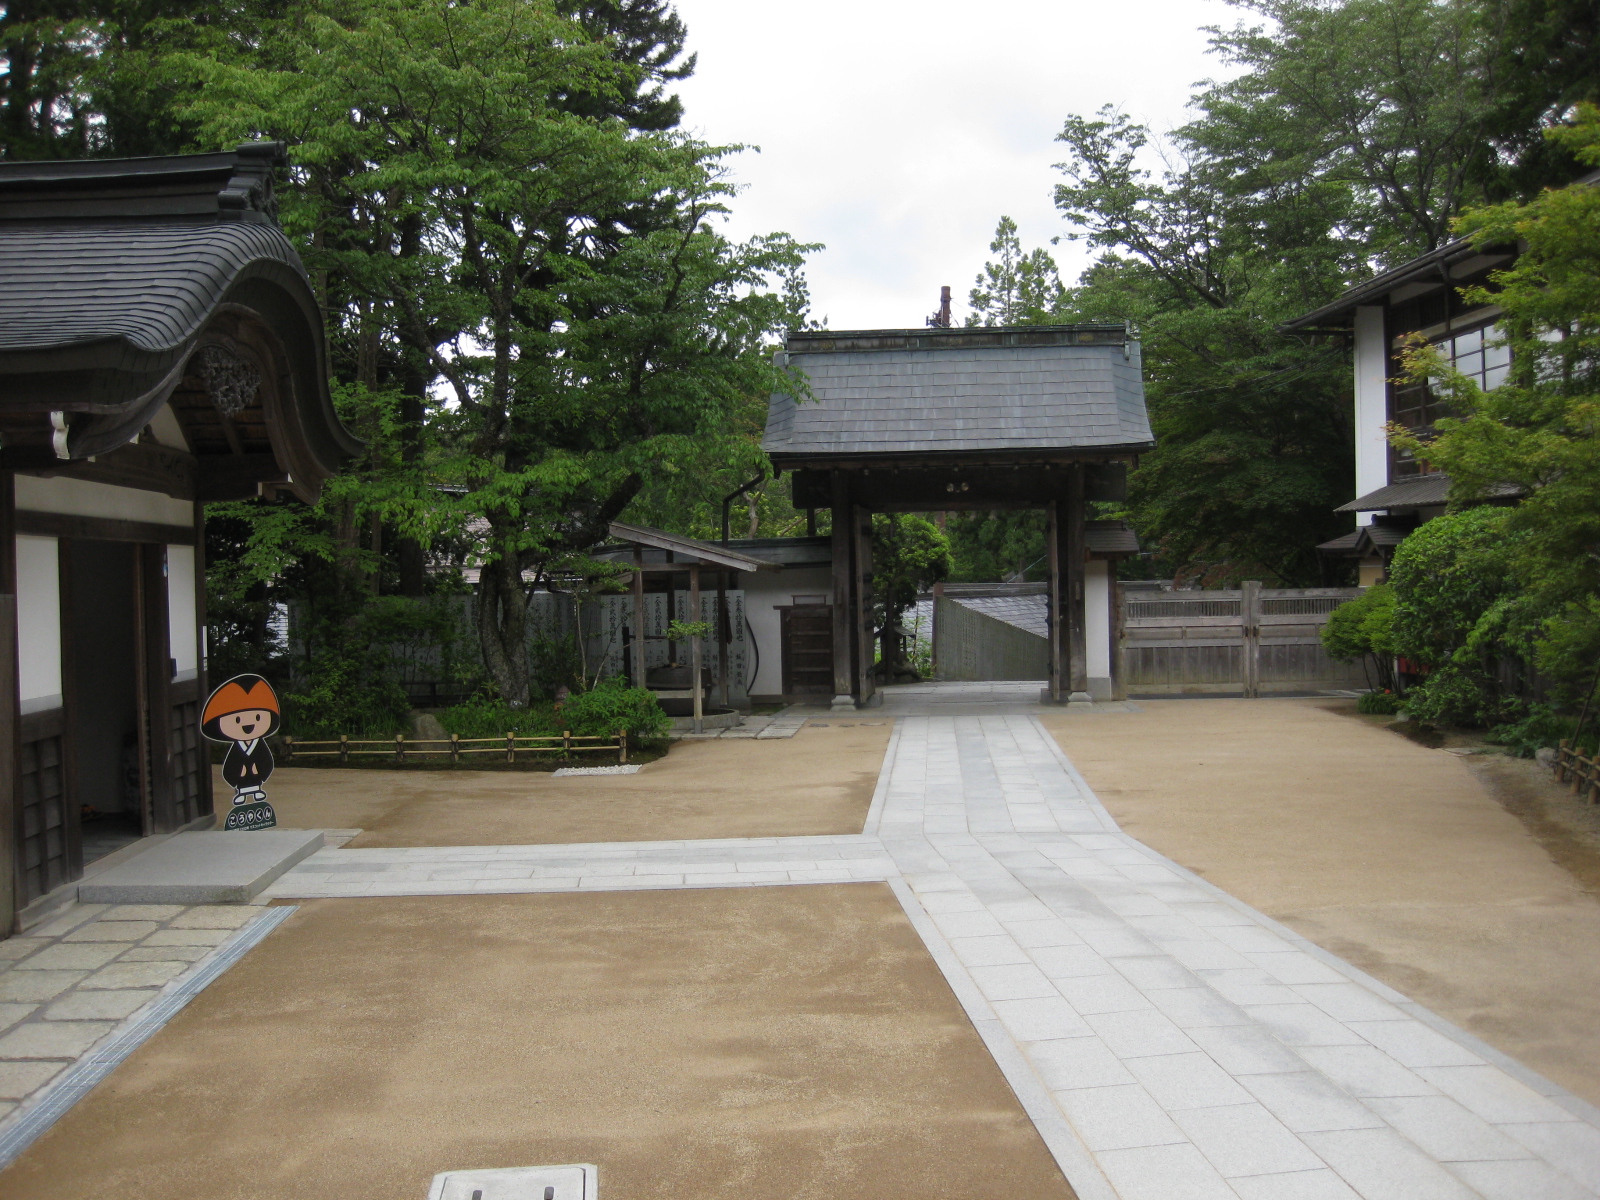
column 899, row 133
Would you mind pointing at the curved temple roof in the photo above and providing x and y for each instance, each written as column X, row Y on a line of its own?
column 128, row 284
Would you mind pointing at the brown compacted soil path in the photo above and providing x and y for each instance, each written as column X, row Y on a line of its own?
column 1396, row 857
column 775, row 1043
column 818, row 782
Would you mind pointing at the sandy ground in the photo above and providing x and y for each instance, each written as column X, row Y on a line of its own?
column 734, row 1044
column 1399, row 858
column 818, row 782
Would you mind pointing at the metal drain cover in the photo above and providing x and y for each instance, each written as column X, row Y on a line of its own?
column 575, row 1181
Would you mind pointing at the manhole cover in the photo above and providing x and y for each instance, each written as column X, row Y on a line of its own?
column 576, row 1181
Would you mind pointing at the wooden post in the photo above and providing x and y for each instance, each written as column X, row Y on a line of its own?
column 455, row 747
column 638, row 616
column 622, row 747
column 694, row 647
column 843, row 602
column 511, row 746
column 1250, row 629
column 861, row 578
column 344, row 748
column 1075, row 554
column 566, row 743
column 1119, row 633
column 399, row 747
column 724, row 636
column 288, row 749
column 1054, row 610
column 10, row 731
column 206, row 801
column 158, row 685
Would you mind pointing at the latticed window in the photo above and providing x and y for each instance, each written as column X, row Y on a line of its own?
column 1478, row 354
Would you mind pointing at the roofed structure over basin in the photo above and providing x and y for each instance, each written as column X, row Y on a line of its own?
column 938, row 419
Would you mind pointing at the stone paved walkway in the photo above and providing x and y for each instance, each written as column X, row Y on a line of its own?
column 1168, row 1041
column 69, row 984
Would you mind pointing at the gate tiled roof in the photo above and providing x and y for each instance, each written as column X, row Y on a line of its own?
column 906, row 393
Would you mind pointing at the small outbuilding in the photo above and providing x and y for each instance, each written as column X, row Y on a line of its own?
column 161, row 345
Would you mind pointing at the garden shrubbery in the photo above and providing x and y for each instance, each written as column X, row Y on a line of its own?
column 607, row 707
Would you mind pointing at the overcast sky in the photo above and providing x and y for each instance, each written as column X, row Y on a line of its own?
column 898, row 133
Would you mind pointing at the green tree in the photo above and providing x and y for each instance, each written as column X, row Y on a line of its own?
column 1539, row 432
column 909, row 553
column 1379, row 107
column 1253, row 429
column 558, row 273
column 989, row 547
column 1019, row 287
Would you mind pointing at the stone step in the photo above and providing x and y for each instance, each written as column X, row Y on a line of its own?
column 203, row 868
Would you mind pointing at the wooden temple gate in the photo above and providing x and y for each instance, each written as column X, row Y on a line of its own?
column 953, row 420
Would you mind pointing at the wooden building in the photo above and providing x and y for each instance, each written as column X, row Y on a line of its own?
column 161, row 345
column 918, row 420
column 1394, row 490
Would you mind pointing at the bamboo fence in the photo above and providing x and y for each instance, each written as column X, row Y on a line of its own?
column 1580, row 772
column 401, row 749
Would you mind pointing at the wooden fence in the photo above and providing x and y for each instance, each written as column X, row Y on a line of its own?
column 402, row 750
column 1251, row 639
column 1580, row 772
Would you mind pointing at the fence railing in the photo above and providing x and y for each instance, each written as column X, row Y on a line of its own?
column 1580, row 772
column 401, row 749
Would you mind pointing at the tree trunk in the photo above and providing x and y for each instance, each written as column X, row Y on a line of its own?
column 502, row 627
column 413, row 562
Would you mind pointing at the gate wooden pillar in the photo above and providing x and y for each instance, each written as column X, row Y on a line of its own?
column 1250, row 636
column 10, row 735
column 861, row 580
column 1068, row 622
column 844, row 599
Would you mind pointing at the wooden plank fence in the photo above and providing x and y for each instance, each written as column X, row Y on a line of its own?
column 1249, row 639
column 1580, row 772
column 402, row 750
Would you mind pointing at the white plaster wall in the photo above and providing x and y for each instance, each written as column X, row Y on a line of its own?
column 82, row 498
column 1372, row 404
column 1097, row 626
column 764, row 593
column 39, row 623
column 183, row 637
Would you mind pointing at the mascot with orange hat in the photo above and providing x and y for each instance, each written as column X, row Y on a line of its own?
column 244, row 712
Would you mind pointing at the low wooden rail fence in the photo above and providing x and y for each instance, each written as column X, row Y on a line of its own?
column 1580, row 772
column 402, row 749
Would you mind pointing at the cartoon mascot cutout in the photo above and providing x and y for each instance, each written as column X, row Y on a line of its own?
column 244, row 713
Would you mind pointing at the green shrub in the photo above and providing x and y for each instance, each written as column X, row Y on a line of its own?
column 609, row 706
column 343, row 692
column 1381, row 703
column 1543, row 727
column 483, row 717
column 612, row 705
column 1456, row 611
column 1363, row 628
